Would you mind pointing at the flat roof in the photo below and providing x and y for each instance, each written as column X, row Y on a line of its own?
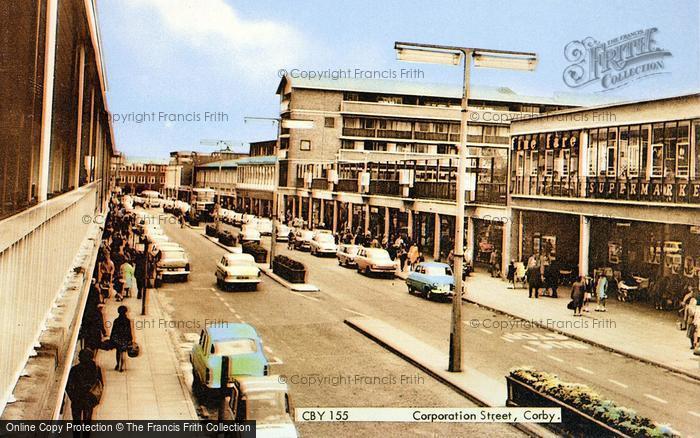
column 231, row 330
column 477, row 92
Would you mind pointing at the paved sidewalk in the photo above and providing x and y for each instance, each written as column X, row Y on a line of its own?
column 630, row 329
column 471, row 383
column 151, row 387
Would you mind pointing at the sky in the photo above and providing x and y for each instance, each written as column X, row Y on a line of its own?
column 183, row 71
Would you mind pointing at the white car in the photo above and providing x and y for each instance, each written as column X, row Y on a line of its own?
column 166, row 244
column 323, row 244
column 375, row 260
column 237, row 269
column 346, row 254
column 173, row 264
column 282, row 232
column 264, row 225
column 249, row 234
column 236, row 218
column 302, row 239
column 247, row 218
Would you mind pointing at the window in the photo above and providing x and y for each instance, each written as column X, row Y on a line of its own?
column 132, row 178
column 533, row 163
column 657, row 163
column 548, row 162
column 162, row 180
column 352, row 96
column 423, row 127
column 520, row 163
column 305, row 145
column 329, row 122
column 611, row 153
column 633, row 152
column 351, row 122
column 397, row 100
column 441, row 127
column 623, row 153
column 592, row 149
column 152, row 180
column 683, row 150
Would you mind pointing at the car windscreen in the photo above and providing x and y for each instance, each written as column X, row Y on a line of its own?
column 352, row 250
column 378, row 254
column 325, row 238
column 173, row 254
column 266, row 407
column 235, row 346
column 437, row 271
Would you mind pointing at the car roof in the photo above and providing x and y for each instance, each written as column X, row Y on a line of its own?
column 238, row 256
column 231, row 330
column 249, row 384
column 435, row 265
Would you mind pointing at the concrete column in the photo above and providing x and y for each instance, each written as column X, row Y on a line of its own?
column 386, row 222
column 410, row 224
column 469, row 250
column 520, row 235
column 350, row 211
column 79, row 136
column 47, row 106
column 366, row 207
column 584, row 240
column 311, row 213
column 300, row 210
column 583, row 163
column 505, row 254
column 323, row 212
column 436, row 238
column 335, row 216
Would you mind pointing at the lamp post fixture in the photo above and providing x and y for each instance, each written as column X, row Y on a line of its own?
column 281, row 123
column 452, row 55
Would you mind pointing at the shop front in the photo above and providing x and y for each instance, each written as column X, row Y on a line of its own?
column 424, row 231
column 555, row 235
column 488, row 237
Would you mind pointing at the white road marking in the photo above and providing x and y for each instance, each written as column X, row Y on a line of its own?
column 555, row 358
column 585, row 370
column 656, row 399
column 618, row 383
column 693, row 413
column 192, row 337
column 527, row 347
column 488, row 332
column 306, row 296
column 507, row 340
column 213, row 289
column 221, row 299
column 352, row 311
column 268, row 349
column 276, row 361
column 236, row 315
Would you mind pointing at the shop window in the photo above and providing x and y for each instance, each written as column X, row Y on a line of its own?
column 623, row 152
column 633, row 152
column 602, row 152
column 561, row 164
column 682, row 160
column 644, row 150
column 533, row 163
column 548, row 162
column 592, row 148
column 520, row 163
column 657, row 163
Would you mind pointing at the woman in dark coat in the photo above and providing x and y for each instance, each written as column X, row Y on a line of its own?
column 121, row 336
column 577, row 291
column 84, row 386
column 93, row 327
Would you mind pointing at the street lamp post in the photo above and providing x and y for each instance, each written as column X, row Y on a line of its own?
column 452, row 55
column 281, row 123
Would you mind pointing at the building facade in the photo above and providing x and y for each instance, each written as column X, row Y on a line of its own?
column 56, row 143
column 628, row 174
column 382, row 158
column 134, row 174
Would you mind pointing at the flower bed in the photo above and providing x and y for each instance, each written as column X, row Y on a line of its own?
column 210, row 231
column 290, row 270
column 227, row 238
column 583, row 410
column 258, row 252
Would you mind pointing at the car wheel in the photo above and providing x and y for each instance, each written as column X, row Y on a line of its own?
column 340, row 262
column 367, row 271
column 410, row 289
column 428, row 294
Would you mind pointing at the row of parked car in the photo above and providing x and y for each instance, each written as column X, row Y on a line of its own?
column 229, row 364
column 174, row 263
column 175, row 206
column 429, row 279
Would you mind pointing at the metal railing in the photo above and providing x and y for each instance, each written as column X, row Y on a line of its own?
column 37, row 250
column 384, row 187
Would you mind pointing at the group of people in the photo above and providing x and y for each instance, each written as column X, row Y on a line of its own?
column 120, row 273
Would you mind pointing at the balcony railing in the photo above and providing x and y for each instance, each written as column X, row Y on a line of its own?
column 432, row 136
column 442, row 190
column 384, row 187
column 319, row 183
column 359, row 132
column 390, row 133
column 347, row 185
column 491, row 193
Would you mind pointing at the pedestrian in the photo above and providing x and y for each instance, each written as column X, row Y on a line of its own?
column 92, row 328
column 552, row 278
column 128, row 275
column 413, row 254
column 577, row 294
column 533, row 280
column 121, row 337
column 588, row 293
column 106, row 272
column 290, row 239
column 494, row 262
column 84, row 386
column 140, row 272
column 510, row 275
column 601, row 289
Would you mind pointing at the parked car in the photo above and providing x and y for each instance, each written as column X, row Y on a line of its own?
column 173, row 264
column 264, row 226
column 236, row 218
column 166, row 244
column 431, row 279
column 346, row 254
column 323, row 244
column 264, row 400
column 235, row 269
column 282, row 232
column 224, row 215
column 302, row 239
column 375, row 260
column 247, row 218
column 223, row 353
column 249, row 233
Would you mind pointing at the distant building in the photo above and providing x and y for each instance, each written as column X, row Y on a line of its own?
column 136, row 174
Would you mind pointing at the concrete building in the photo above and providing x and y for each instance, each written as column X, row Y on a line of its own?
column 136, row 174
column 56, row 143
column 627, row 174
column 381, row 157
